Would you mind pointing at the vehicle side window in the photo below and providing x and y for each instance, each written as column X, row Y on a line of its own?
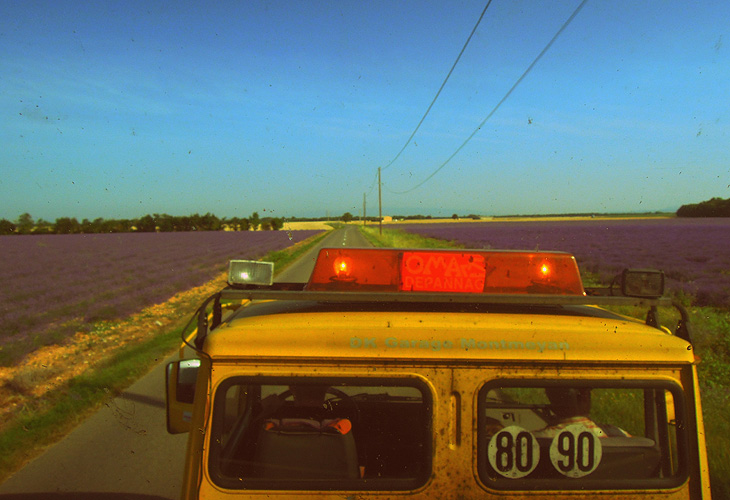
column 321, row 433
column 578, row 434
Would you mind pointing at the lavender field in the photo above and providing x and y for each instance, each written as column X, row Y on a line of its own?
column 694, row 253
column 50, row 280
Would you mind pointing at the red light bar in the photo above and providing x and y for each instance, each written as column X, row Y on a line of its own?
column 452, row 271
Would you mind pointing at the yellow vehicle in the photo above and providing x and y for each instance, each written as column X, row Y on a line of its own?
column 438, row 374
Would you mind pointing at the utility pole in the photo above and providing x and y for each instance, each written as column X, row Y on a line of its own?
column 380, row 204
column 364, row 213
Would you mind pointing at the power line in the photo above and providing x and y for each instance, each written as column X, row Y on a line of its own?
column 494, row 110
column 441, row 88
column 372, row 186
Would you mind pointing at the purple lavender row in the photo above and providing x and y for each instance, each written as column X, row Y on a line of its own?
column 51, row 279
column 692, row 252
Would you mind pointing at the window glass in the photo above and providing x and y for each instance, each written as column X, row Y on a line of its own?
column 581, row 434
column 321, row 433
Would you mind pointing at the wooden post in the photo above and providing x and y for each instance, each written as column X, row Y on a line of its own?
column 380, row 204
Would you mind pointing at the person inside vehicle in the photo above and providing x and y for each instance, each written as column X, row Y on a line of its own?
column 309, row 408
column 572, row 405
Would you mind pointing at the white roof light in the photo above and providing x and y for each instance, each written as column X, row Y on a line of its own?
column 250, row 272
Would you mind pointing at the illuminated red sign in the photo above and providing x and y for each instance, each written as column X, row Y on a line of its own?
column 442, row 272
column 457, row 271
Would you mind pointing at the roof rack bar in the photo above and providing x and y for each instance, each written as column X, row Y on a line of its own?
column 455, row 298
column 684, row 328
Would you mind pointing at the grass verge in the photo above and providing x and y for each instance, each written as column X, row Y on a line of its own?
column 40, row 421
column 45, row 420
column 711, row 341
column 400, row 239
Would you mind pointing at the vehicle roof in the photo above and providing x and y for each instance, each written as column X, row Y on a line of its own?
column 310, row 330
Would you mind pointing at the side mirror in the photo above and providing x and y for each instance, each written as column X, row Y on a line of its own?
column 180, row 380
column 642, row 283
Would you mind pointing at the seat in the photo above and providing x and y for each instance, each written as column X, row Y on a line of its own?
column 292, row 448
column 628, row 458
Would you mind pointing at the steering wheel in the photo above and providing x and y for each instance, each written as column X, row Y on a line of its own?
column 340, row 399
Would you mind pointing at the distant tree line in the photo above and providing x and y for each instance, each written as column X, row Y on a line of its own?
column 470, row 216
column 412, row 217
column 146, row 224
column 429, row 217
column 714, row 207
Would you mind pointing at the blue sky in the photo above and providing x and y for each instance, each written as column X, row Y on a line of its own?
column 118, row 109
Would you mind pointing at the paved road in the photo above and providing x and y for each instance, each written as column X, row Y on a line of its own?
column 124, row 451
column 348, row 236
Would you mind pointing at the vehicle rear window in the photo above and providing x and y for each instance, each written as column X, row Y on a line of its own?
column 312, row 433
column 578, row 434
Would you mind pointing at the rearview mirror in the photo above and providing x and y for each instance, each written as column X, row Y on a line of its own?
column 181, row 378
column 642, row 283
